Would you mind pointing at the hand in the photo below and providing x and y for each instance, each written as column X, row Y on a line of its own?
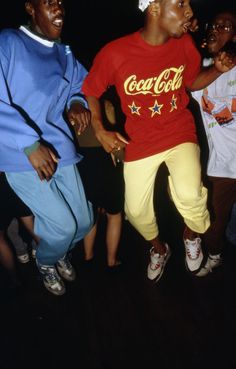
column 79, row 117
column 44, row 162
column 111, row 141
column 194, row 25
column 224, row 62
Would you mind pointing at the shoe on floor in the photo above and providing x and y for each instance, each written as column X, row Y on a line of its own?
column 24, row 258
column 193, row 255
column 51, row 279
column 65, row 269
column 213, row 261
column 157, row 264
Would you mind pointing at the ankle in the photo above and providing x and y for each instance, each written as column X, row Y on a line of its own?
column 189, row 234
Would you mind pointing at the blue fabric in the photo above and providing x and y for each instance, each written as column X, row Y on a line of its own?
column 32, row 75
column 62, row 214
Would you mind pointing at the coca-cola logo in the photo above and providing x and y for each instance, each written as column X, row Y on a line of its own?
column 168, row 80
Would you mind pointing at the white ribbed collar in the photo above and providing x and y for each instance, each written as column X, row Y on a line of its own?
column 36, row 38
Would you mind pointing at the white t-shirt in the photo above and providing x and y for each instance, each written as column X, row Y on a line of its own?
column 218, row 108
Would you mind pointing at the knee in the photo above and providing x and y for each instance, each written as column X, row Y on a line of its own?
column 66, row 229
column 132, row 213
column 188, row 195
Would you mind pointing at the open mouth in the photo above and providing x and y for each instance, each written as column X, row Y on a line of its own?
column 58, row 23
column 211, row 38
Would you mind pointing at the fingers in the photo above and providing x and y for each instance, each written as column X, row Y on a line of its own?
column 46, row 171
column 121, row 138
column 53, row 156
column 80, row 121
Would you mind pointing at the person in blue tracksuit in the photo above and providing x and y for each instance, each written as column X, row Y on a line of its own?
column 40, row 92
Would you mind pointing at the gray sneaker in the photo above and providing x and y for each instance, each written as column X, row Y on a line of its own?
column 157, row 264
column 65, row 269
column 52, row 281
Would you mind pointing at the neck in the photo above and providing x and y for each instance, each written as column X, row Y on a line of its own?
column 153, row 37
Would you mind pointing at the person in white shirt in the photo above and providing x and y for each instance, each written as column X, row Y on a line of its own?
column 218, row 109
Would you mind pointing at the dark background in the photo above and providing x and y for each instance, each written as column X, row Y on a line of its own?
column 89, row 24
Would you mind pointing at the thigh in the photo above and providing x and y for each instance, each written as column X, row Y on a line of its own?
column 139, row 179
column 43, row 198
column 183, row 162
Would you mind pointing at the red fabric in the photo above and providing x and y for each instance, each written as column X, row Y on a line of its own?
column 151, row 82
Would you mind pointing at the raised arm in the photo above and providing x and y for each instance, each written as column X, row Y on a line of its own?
column 223, row 62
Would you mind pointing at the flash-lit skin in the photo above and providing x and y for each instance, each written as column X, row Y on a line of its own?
column 166, row 19
column 215, row 39
column 47, row 17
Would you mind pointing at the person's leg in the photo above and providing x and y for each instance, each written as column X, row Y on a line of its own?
column 28, row 223
column 113, row 233
column 62, row 217
column 6, row 255
column 139, row 190
column 139, row 178
column 18, row 243
column 231, row 227
column 89, row 240
column 190, row 198
column 222, row 198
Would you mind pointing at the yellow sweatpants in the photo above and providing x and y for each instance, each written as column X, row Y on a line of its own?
column 187, row 191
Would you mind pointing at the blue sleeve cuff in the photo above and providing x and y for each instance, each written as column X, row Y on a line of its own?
column 29, row 149
column 81, row 100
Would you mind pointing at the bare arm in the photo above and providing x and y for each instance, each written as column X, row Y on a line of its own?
column 223, row 62
column 111, row 141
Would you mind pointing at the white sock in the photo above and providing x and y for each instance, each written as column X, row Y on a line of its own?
column 215, row 257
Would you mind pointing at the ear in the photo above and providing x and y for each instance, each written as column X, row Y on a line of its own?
column 154, row 8
column 29, row 8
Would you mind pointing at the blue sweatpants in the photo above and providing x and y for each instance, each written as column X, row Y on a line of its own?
column 63, row 216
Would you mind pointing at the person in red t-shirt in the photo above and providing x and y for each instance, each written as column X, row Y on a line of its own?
column 151, row 70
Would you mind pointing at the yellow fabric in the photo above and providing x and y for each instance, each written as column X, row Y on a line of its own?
column 187, row 191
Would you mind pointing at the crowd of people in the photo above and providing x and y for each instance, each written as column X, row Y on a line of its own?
column 64, row 163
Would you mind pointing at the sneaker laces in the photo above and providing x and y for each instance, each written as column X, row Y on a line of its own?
column 51, row 275
column 65, row 263
column 193, row 248
column 157, row 259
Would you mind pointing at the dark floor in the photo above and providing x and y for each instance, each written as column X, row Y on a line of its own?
column 117, row 320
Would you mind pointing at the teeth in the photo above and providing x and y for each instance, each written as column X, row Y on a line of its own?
column 58, row 22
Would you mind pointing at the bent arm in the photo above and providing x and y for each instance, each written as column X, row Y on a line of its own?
column 109, row 140
column 223, row 62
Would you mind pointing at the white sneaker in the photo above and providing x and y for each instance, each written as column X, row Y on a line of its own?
column 52, row 280
column 193, row 254
column 213, row 261
column 65, row 269
column 157, row 264
column 23, row 259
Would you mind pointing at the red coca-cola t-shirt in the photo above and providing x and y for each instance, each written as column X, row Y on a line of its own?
column 151, row 82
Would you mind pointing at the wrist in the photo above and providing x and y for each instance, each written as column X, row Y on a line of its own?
column 29, row 149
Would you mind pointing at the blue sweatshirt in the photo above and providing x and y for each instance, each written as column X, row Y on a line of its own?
column 38, row 80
